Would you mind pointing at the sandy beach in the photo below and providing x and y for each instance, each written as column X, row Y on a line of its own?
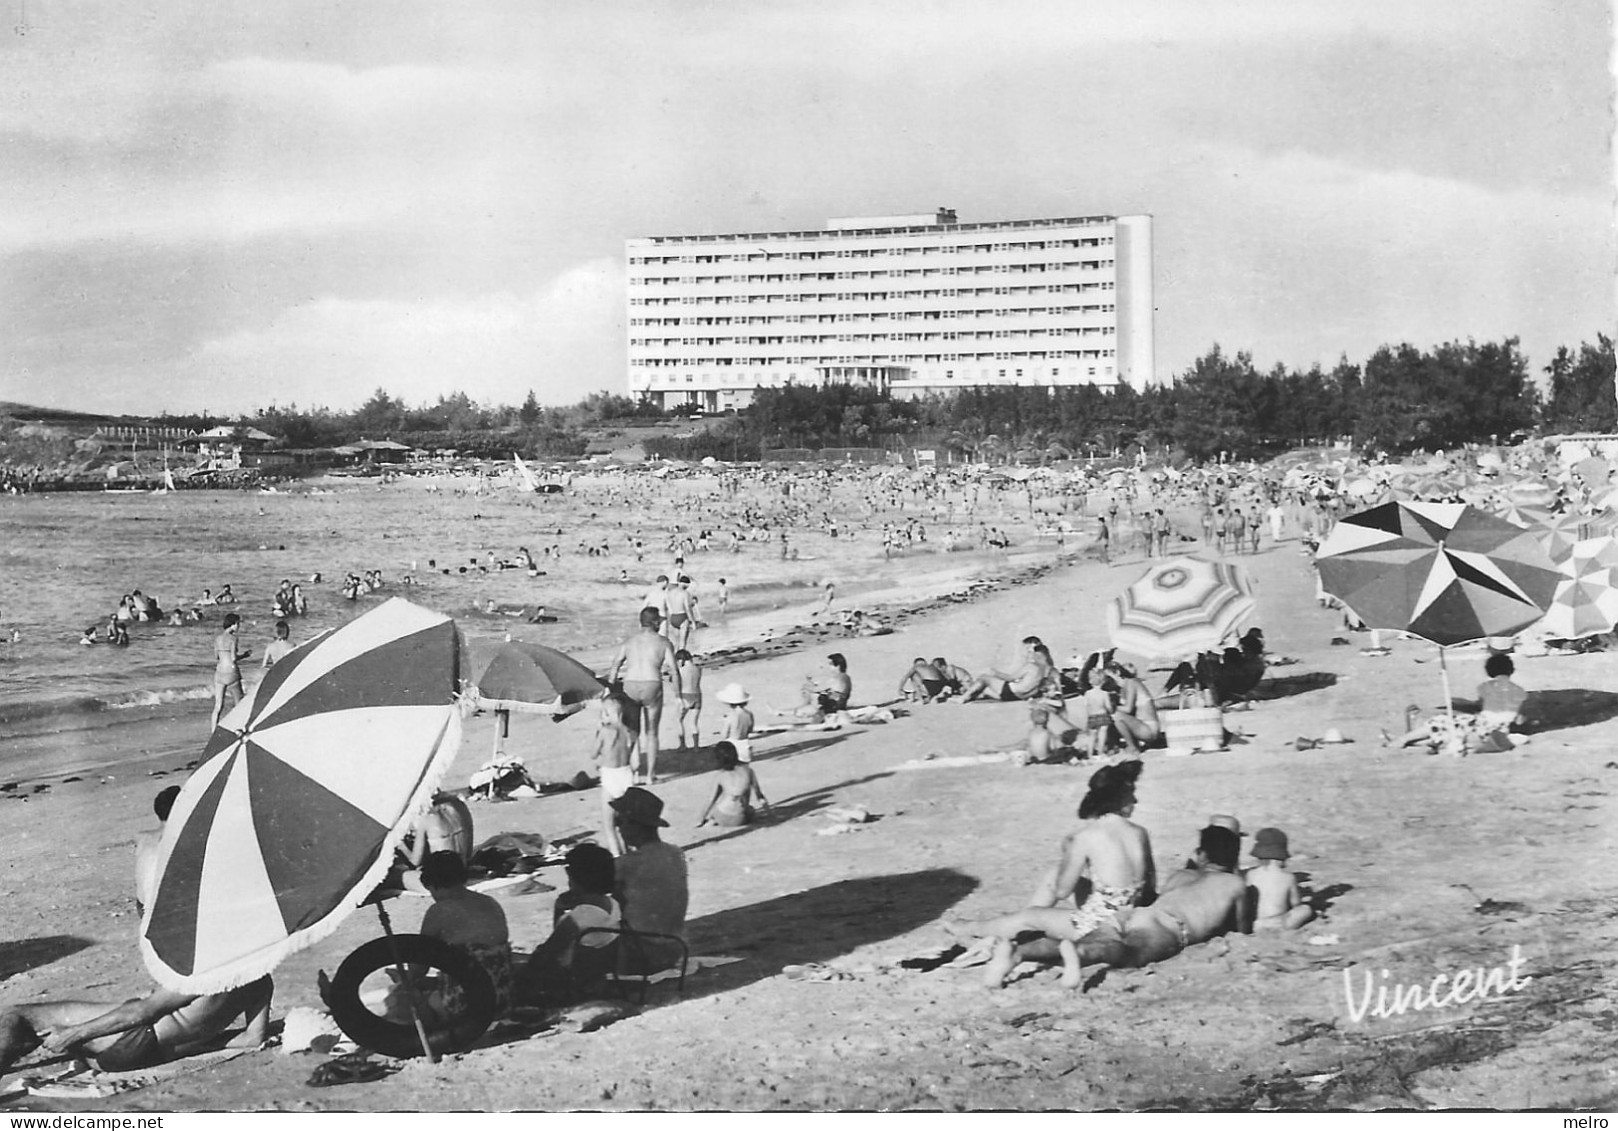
column 1423, row 865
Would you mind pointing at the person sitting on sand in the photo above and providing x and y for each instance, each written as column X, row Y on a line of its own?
column 1135, row 716
column 923, row 682
column 1500, row 700
column 1041, row 745
column 826, row 695
column 146, row 846
column 1024, row 683
column 653, row 884
column 735, row 792
column 472, row 923
column 1277, row 899
column 955, row 677
column 140, row 1033
column 1111, row 850
column 567, row 964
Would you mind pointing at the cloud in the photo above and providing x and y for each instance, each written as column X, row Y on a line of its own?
column 563, row 342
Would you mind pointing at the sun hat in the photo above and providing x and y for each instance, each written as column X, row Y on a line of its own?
column 733, row 693
column 1333, row 735
column 641, row 806
column 1270, row 844
column 1226, row 821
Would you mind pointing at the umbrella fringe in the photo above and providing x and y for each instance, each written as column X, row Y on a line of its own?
column 250, row 967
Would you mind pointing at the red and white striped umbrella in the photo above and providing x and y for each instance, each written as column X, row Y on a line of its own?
column 304, row 791
column 1180, row 607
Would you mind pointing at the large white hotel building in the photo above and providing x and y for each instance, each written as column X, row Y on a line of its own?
column 913, row 304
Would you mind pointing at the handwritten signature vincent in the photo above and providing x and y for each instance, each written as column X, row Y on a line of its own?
column 1467, row 984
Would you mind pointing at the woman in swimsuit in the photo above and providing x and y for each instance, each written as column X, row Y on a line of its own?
column 733, row 796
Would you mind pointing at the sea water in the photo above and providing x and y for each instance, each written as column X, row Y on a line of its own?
column 67, row 559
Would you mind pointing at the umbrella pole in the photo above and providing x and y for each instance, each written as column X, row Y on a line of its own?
column 1449, row 701
column 502, row 729
column 412, row 995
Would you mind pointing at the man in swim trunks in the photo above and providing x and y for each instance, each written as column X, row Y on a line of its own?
column 923, row 681
column 1113, row 851
column 681, row 616
column 1213, row 902
column 1023, row 683
column 643, row 659
column 227, row 673
column 825, row 695
column 162, row 1026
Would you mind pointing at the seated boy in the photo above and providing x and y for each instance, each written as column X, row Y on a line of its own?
column 1278, row 900
column 565, row 964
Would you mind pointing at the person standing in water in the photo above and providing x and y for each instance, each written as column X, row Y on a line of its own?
column 227, row 674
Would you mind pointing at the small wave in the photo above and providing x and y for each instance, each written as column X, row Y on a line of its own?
column 88, row 704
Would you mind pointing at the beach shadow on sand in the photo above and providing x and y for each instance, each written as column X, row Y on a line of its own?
column 19, row 955
column 819, row 925
column 1286, row 686
column 1564, row 707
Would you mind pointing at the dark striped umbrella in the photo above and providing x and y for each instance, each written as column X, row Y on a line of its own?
column 303, row 793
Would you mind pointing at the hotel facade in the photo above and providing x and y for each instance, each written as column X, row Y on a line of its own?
column 910, row 304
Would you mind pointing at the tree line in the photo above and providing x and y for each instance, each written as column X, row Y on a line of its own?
column 1400, row 399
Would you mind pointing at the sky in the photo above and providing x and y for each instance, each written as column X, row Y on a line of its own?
column 219, row 207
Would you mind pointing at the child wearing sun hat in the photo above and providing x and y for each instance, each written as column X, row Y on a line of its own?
column 738, row 724
column 1280, row 902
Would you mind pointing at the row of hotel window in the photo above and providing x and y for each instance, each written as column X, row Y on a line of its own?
column 866, row 296
column 759, row 256
column 896, row 359
column 745, row 380
column 832, row 276
column 948, row 336
column 879, row 316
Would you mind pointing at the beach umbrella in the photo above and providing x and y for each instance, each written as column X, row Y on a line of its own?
column 1586, row 599
column 1559, row 532
column 1441, row 571
column 303, row 793
column 532, row 677
column 1181, row 606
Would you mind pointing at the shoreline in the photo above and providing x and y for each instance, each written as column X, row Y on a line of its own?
column 759, row 635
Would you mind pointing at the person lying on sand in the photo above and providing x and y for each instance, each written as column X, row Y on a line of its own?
column 1116, row 855
column 145, row 1031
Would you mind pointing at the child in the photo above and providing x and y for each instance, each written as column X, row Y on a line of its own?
column 724, row 592
column 1042, row 744
column 561, row 966
column 732, row 803
column 1098, row 716
column 614, row 741
column 738, row 727
column 688, row 686
column 278, row 647
column 1279, row 900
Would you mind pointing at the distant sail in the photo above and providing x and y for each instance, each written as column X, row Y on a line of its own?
column 168, row 480
column 528, row 481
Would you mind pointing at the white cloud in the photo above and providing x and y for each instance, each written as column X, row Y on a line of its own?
column 563, row 342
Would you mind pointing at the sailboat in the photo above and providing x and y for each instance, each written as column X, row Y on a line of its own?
column 529, row 483
column 168, row 482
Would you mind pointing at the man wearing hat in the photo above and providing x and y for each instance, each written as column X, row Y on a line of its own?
column 652, row 885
